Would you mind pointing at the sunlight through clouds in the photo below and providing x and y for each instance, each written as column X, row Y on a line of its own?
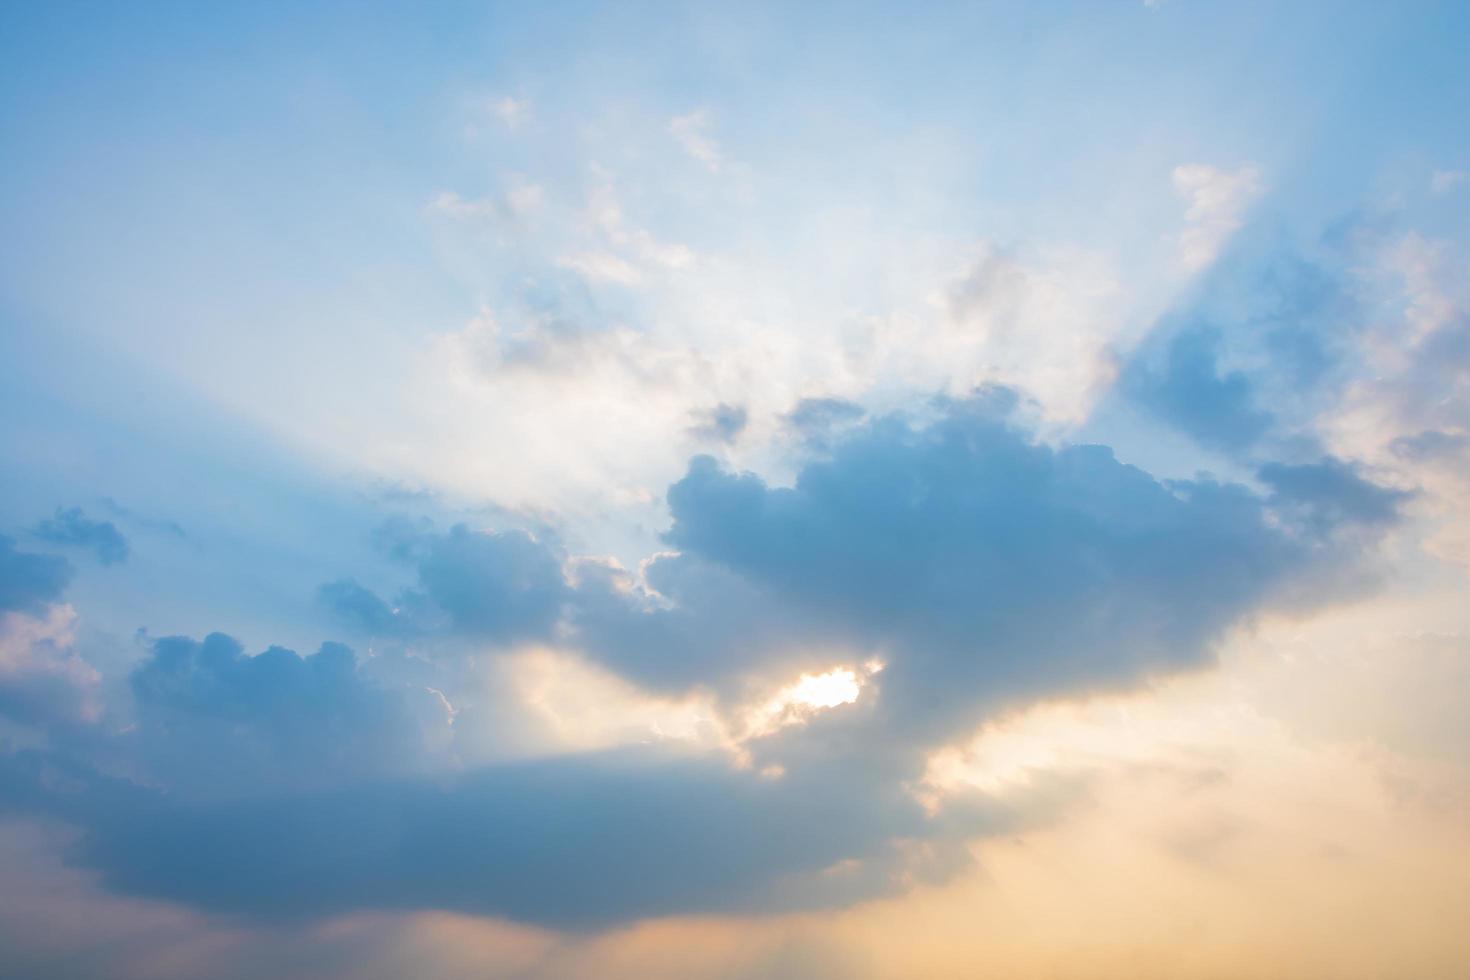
column 828, row 492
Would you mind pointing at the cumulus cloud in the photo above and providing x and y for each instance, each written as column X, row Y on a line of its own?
column 581, row 841
column 497, row 586
column 1331, row 494
column 986, row 568
column 980, row 569
column 43, row 680
column 29, row 581
column 214, row 722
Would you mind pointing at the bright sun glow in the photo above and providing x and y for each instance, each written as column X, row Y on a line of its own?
column 796, row 702
column 827, row 690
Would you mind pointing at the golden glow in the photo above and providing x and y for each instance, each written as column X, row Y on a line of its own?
column 810, row 693
column 827, row 690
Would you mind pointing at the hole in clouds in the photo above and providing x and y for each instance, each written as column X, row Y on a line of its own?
column 810, row 694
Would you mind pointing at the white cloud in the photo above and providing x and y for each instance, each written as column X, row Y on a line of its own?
column 523, row 197
column 1218, row 200
column 1444, row 181
column 519, row 200
column 42, row 678
column 692, row 133
column 601, row 267
column 1045, row 321
column 510, row 111
column 1407, row 410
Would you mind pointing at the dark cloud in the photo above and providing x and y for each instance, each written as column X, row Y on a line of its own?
column 1306, row 315
column 501, row 585
column 696, row 624
column 404, row 539
column 27, row 581
column 583, row 841
column 1431, row 444
column 361, row 609
column 1266, row 340
column 985, row 569
column 498, row 586
column 211, row 720
column 1184, row 385
column 1331, row 494
column 73, row 528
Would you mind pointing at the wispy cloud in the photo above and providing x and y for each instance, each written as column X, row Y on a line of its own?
column 1218, row 200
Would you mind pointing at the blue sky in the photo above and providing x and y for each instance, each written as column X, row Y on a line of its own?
column 600, row 489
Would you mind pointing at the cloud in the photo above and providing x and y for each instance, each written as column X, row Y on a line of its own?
column 602, row 267
column 498, row 586
column 1404, row 410
column 71, row 527
column 507, row 209
column 1046, row 323
column 576, row 842
column 986, row 569
column 817, row 421
column 983, row 567
column 361, row 608
column 723, row 423
column 1218, row 200
column 27, row 581
column 1428, row 445
column 510, row 110
column 171, row 528
column 1444, row 181
column 692, row 133
column 212, row 722
column 1331, row 494
column 43, row 680
column 1184, row 385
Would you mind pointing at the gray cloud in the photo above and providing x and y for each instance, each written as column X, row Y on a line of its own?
column 1185, row 385
column 817, row 421
column 499, row 586
column 212, row 721
column 723, row 423
column 990, row 569
column 28, row 581
column 72, row 528
column 987, row 570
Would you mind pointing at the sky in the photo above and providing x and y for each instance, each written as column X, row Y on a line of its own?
column 753, row 490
